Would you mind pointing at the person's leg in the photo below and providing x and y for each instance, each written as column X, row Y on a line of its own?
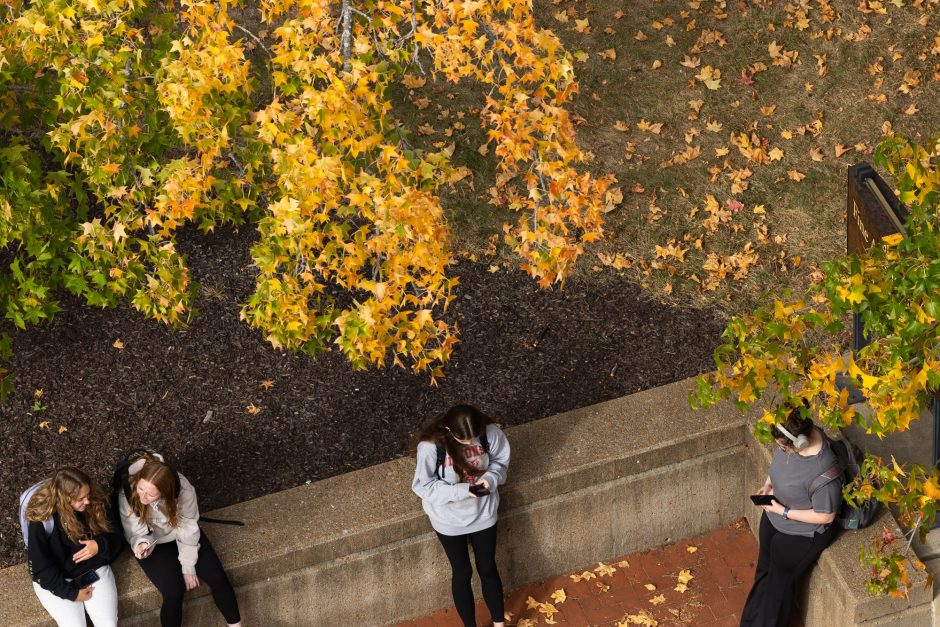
column 790, row 557
column 102, row 607
column 484, row 554
column 162, row 568
column 209, row 569
column 458, row 554
column 766, row 533
column 64, row 612
column 796, row 562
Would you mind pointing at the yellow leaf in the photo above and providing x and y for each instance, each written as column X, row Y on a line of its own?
column 252, row 409
column 44, row 424
column 892, row 240
column 685, row 576
column 602, row 586
column 414, row 82
column 267, row 385
column 610, row 53
column 559, row 596
column 795, row 175
column 897, row 468
column 62, row 429
column 681, row 587
column 656, row 600
column 650, row 586
column 604, row 569
column 693, row 549
column 531, row 603
column 118, row 344
column 582, row 26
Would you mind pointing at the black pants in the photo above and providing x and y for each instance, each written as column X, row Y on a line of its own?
column 782, row 560
column 484, row 554
column 162, row 567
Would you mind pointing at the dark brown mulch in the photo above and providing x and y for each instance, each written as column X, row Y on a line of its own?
column 524, row 354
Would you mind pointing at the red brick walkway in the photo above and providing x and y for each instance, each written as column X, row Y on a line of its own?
column 639, row 589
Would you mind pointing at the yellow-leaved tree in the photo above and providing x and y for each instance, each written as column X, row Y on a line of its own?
column 124, row 121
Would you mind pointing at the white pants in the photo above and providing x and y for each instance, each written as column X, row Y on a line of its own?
column 101, row 607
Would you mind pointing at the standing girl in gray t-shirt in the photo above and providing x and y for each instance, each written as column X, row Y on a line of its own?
column 798, row 525
column 459, row 492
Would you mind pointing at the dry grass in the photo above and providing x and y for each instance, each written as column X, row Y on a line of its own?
column 804, row 220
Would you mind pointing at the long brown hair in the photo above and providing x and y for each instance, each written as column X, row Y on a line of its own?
column 461, row 422
column 164, row 479
column 56, row 496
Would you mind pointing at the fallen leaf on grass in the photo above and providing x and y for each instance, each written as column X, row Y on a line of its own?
column 795, row 175
column 816, row 154
column 621, row 126
column 582, row 26
column 414, row 82
column 911, row 110
column 610, row 53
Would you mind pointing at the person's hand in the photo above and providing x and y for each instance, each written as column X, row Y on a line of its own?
column 84, row 594
column 143, row 550
column 88, row 551
column 191, row 581
column 486, row 484
column 773, row 508
column 766, row 489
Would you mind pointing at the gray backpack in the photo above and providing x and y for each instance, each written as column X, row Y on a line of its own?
column 25, row 498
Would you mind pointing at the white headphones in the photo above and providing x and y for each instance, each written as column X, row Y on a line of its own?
column 799, row 442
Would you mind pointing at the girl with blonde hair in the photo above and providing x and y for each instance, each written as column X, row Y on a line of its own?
column 69, row 559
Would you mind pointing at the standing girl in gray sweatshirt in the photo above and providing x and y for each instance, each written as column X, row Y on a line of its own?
column 462, row 458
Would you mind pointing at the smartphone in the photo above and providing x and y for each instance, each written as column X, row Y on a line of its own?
column 479, row 489
column 763, row 499
column 85, row 579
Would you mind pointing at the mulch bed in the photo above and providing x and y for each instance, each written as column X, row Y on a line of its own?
column 524, row 354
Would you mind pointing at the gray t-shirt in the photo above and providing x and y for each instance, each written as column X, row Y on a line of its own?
column 791, row 475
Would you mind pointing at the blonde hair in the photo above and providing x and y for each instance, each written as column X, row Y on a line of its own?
column 165, row 480
column 56, row 497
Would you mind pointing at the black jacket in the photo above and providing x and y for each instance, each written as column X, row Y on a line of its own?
column 49, row 556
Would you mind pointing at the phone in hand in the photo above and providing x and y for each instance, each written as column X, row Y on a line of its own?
column 85, row 579
column 479, row 489
column 763, row 499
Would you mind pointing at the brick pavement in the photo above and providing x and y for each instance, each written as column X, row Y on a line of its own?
column 721, row 565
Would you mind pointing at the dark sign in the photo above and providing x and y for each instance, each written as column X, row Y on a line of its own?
column 872, row 210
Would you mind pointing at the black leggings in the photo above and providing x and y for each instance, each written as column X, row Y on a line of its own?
column 782, row 560
column 484, row 554
column 162, row 567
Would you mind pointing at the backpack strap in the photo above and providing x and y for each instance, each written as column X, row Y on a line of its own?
column 484, row 442
column 439, row 467
column 825, row 478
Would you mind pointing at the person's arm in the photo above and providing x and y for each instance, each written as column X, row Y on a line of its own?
column 187, row 529
column 428, row 485
column 498, row 466
column 109, row 542
column 135, row 530
column 42, row 564
column 802, row 515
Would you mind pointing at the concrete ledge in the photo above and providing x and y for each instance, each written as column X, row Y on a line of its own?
column 596, row 482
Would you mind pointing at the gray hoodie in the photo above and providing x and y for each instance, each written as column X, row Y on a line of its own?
column 453, row 511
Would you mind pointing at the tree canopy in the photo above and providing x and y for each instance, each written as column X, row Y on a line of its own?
column 125, row 121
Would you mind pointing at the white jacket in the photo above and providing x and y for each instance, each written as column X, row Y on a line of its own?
column 186, row 533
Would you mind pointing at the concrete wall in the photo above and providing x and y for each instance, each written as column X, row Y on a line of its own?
column 603, row 481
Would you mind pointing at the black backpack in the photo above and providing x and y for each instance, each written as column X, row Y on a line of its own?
column 442, row 454
column 848, row 466
column 120, row 482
